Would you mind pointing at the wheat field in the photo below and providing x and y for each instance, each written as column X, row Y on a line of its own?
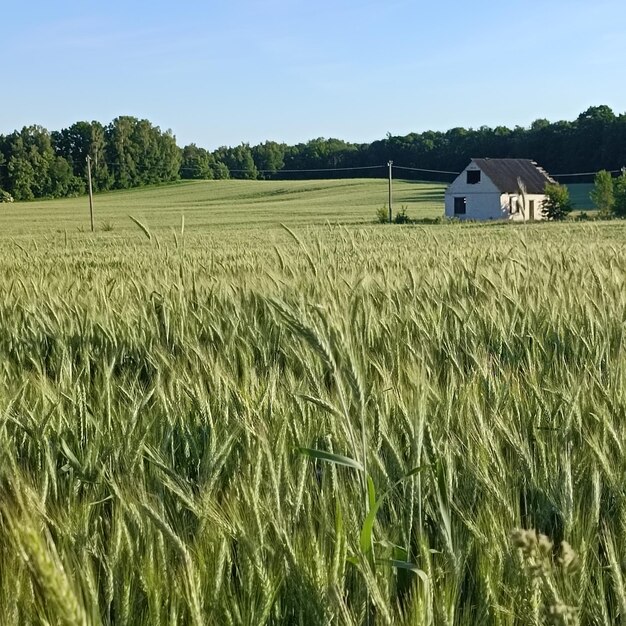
column 317, row 424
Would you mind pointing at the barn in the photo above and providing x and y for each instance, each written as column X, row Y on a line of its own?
column 491, row 189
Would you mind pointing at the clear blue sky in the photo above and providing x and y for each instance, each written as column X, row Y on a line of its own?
column 222, row 72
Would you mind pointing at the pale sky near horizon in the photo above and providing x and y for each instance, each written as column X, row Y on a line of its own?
column 223, row 72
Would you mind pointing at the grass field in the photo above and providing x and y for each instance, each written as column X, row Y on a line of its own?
column 210, row 205
column 342, row 423
column 214, row 205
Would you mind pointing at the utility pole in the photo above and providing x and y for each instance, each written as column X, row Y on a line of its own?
column 90, row 191
column 390, row 164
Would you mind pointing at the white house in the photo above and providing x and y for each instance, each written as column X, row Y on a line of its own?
column 489, row 189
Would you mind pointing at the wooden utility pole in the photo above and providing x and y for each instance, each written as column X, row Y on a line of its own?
column 90, row 191
column 390, row 164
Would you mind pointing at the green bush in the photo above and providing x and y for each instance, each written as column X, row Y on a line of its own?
column 382, row 214
column 402, row 216
column 557, row 204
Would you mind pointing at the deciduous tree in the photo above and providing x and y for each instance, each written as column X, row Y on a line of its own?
column 196, row 163
column 557, row 204
column 269, row 158
column 239, row 161
column 602, row 193
column 620, row 195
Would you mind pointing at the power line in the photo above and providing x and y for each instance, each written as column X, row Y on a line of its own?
column 321, row 169
column 585, row 173
column 419, row 169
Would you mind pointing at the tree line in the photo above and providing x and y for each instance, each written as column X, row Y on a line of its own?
column 36, row 163
column 129, row 152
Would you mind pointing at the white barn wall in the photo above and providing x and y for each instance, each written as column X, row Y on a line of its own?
column 479, row 206
column 518, row 217
column 483, row 198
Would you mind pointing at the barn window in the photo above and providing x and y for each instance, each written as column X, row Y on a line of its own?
column 473, row 177
column 460, row 206
column 512, row 204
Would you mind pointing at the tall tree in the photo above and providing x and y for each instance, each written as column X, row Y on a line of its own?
column 269, row 158
column 78, row 141
column 620, row 195
column 3, row 164
column 140, row 153
column 196, row 163
column 239, row 161
column 602, row 193
column 29, row 166
column 63, row 181
column 120, row 153
column 220, row 170
column 170, row 156
column 33, row 169
column 21, row 178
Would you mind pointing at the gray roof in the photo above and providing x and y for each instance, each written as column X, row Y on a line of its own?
column 505, row 172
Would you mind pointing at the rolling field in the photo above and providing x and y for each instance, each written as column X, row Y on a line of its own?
column 334, row 423
column 211, row 205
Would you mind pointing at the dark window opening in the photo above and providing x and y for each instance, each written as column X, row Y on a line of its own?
column 473, row 177
column 512, row 204
column 460, row 206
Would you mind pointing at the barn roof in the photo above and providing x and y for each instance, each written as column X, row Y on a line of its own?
column 505, row 172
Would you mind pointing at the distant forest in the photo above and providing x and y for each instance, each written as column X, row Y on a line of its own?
column 128, row 152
